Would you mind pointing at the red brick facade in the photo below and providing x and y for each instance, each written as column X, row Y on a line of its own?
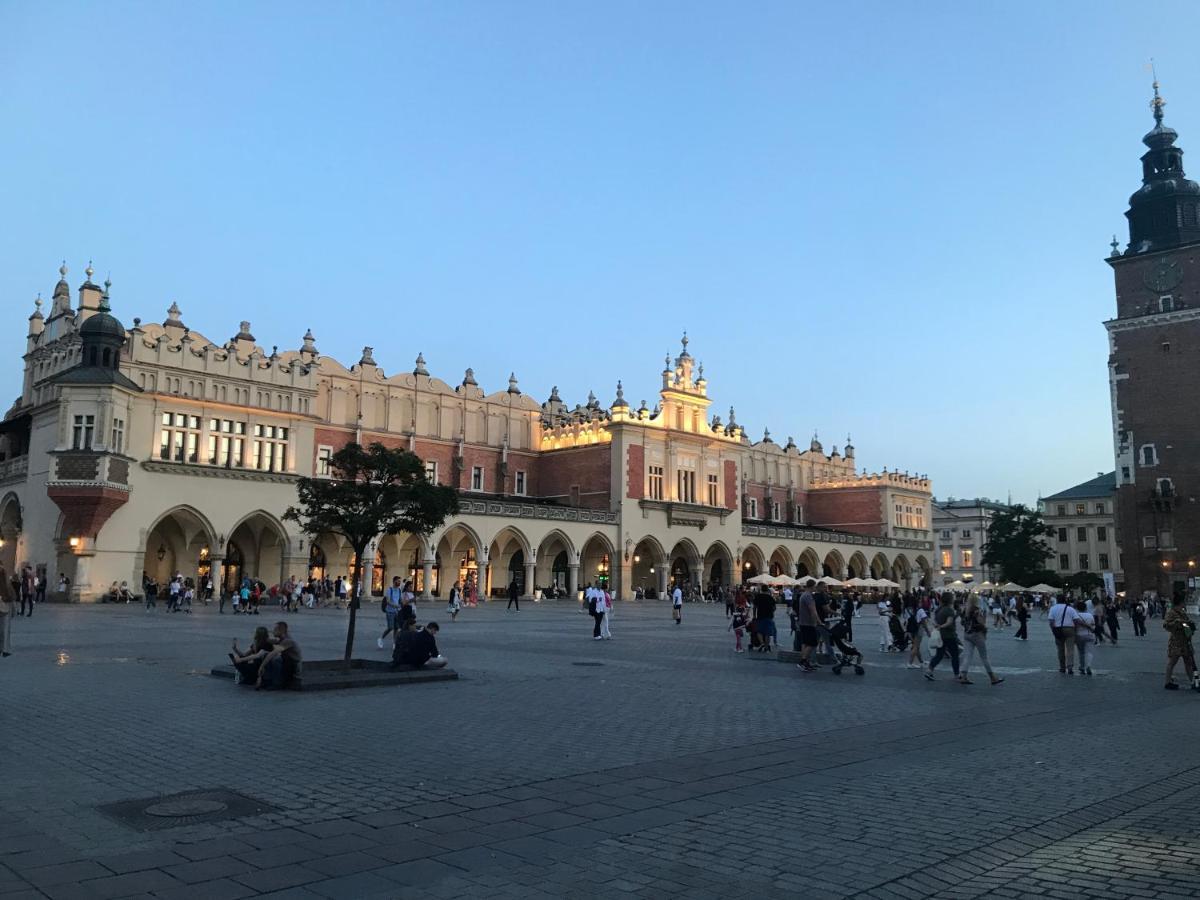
column 731, row 485
column 86, row 509
column 581, row 476
column 635, row 481
column 857, row 510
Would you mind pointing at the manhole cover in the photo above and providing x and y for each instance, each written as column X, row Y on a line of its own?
column 587, row 663
column 174, row 809
column 189, row 808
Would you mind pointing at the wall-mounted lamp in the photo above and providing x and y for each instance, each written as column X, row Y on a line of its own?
column 161, row 554
column 74, row 542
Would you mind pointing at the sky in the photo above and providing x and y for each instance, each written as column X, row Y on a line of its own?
column 882, row 219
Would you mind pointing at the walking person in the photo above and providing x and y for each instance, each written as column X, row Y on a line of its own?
column 764, row 621
column 594, row 598
column 809, row 621
column 918, row 628
column 150, row 589
column 27, row 593
column 1110, row 619
column 677, row 604
column 1022, row 617
column 737, row 624
column 455, row 605
column 1138, row 615
column 1085, row 637
column 393, row 599
column 514, row 594
column 975, row 634
column 1179, row 625
column 946, row 622
column 1062, row 626
column 606, row 604
column 8, row 609
column 885, row 634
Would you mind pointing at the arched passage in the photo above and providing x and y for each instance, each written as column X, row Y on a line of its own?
column 507, row 558
column 809, row 564
column 596, row 561
column 926, row 571
column 180, row 541
column 10, row 531
column 753, row 562
column 458, row 550
column 686, row 565
column 781, row 561
column 857, row 565
column 256, row 546
column 718, row 565
column 648, row 561
column 554, row 557
column 834, row 565
column 879, row 566
column 901, row 570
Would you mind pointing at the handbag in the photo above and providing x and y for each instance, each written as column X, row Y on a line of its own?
column 935, row 639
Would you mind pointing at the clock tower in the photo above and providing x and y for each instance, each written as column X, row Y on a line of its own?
column 1154, row 372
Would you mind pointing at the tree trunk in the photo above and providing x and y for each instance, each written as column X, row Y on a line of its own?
column 354, row 581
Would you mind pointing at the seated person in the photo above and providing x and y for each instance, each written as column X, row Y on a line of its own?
column 282, row 665
column 248, row 664
column 417, row 648
column 124, row 593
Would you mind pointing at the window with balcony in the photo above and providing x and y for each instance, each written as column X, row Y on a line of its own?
column 654, row 482
column 519, row 484
column 179, row 438
column 714, row 497
column 227, row 443
column 82, row 432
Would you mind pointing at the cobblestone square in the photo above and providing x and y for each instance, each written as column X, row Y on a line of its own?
column 669, row 767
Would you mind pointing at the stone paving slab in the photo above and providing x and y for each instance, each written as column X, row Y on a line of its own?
column 672, row 767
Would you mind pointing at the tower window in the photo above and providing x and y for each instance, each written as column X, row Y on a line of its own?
column 81, row 436
column 1165, row 347
column 1166, row 304
column 1149, row 455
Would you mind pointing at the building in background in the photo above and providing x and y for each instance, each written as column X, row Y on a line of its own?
column 1083, row 535
column 960, row 529
column 1154, row 368
column 155, row 450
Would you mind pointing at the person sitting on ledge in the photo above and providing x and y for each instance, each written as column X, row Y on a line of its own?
column 418, row 648
column 282, row 665
column 249, row 663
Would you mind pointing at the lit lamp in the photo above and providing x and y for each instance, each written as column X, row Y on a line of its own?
column 74, row 542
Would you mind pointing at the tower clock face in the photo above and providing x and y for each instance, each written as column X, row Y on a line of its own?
column 1163, row 275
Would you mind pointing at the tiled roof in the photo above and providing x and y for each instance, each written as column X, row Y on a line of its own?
column 1100, row 486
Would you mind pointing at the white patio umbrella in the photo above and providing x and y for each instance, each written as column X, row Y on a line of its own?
column 1045, row 589
column 956, row 586
column 829, row 580
column 759, row 579
column 1012, row 586
column 887, row 583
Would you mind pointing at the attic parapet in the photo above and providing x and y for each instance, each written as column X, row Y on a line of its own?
column 903, row 480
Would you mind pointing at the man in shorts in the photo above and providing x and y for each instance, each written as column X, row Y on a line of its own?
column 764, row 620
column 808, row 620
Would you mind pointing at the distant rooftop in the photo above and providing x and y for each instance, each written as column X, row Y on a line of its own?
column 1103, row 485
column 976, row 503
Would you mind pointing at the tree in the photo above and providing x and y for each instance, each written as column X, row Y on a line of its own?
column 1016, row 544
column 1085, row 582
column 370, row 491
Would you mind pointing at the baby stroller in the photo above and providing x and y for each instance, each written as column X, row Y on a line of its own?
column 847, row 654
column 899, row 638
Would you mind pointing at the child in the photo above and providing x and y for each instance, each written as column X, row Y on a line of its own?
column 737, row 624
column 455, row 602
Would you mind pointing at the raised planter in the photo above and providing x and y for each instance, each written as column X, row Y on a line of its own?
column 333, row 674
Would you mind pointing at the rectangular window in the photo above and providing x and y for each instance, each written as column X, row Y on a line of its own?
column 775, row 510
column 1166, row 539
column 1100, row 509
column 1064, row 561
column 1125, row 476
column 1083, row 562
column 714, row 497
column 1101, row 533
column 1062, row 535
column 966, row 533
column 477, row 478
column 799, row 514
column 968, row 558
column 1080, row 509
column 519, row 485
column 269, row 448
column 81, row 435
column 654, row 482
column 324, row 458
column 1148, row 542
column 947, row 561
column 753, row 507
column 685, row 484
column 945, row 535
column 179, row 439
column 117, row 444
column 1149, row 455
column 1103, row 561
column 1062, row 510
column 1081, row 535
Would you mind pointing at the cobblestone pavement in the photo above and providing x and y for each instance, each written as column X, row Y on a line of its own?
column 659, row 764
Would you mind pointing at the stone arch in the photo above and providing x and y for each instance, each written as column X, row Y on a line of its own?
column 781, row 562
column 649, row 561
column 858, row 565
column 718, row 565
column 555, row 556
column 879, row 566
column 508, row 553
column 753, row 562
column 597, row 557
column 181, row 540
column 901, row 570
column 686, row 563
column 10, row 531
column 808, row 565
column 456, row 554
column 260, row 541
column 926, row 571
column 834, row 564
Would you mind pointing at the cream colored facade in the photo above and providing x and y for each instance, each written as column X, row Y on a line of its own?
column 184, row 455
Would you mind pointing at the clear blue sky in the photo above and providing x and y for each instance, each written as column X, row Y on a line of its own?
column 882, row 218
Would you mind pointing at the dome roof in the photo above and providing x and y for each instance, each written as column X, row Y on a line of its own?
column 102, row 324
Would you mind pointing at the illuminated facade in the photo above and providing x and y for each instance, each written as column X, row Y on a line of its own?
column 153, row 449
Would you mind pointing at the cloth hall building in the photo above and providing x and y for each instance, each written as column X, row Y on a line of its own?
column 152, row 449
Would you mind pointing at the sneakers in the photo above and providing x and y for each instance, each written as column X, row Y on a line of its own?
column 806, row 667
column 379, row 643
column 928, row 674
column 1171, row 686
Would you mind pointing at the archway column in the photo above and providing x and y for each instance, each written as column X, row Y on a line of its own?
column 481, row 574
column 664, row 575
column 530, row 572
column 427, row 562
column 624, row 585
column 216, row 571
column 573, row 579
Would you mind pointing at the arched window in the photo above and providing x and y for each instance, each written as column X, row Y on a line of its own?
column 107, row 358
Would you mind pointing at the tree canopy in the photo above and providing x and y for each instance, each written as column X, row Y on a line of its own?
column 1016, row 544
column 370, row 491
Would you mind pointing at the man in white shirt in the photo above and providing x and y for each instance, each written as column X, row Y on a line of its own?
column 677, row 603
column 885, row 633
column 1062, row 623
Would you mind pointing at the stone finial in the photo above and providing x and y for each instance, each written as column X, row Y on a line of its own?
column 243, row 332
column 1115, row 247
column 684, row 342
column 174, row 317
column 62, row 271
column 89, row 272
column 767, row 436
column 791, row 443
column 420, row 366
column 732, row 419
column 274, row 353
column 620, row 401
column 469, row 377
column 308, row 344
column 37, row 308
column 137, row 322
column 815, row 443
column 700, row 374
column 367, row 358
column 592, row 403
column 643, row 407
column 667, row 363
column 512, row 383
column 554, row 398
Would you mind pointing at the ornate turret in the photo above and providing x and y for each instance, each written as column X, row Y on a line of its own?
column 308, row 346
column 849, row 448
column 174, row 318
column 102, row 337
column 1165, row 211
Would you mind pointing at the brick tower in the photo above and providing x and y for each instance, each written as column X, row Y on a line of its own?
column 1154, row 371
